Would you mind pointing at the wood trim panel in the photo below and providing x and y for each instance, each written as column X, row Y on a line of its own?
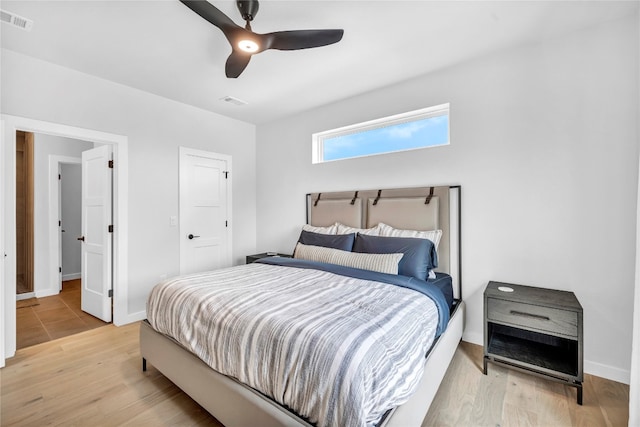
column 29, row 210
column 24, row 210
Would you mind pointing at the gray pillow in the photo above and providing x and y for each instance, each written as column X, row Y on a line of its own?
column 344, row 242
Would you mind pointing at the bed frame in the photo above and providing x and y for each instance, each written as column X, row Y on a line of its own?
column 235, row 404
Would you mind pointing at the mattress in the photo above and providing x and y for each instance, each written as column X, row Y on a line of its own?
column 335, row 349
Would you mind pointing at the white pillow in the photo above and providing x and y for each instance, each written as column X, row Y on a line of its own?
column 345, row 229
column 389, row 231
column 383, row 263
column 321, row 230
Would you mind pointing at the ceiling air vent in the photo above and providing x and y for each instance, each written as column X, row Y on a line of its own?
column 16, row 20
column 232, row 100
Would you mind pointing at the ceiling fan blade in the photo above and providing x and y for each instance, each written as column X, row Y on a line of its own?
column 236, row 63
column 211, row 13
column 301, row 39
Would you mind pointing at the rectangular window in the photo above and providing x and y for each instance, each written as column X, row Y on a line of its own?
column 428, row 127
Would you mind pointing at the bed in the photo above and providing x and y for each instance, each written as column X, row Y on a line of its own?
column 284, row 389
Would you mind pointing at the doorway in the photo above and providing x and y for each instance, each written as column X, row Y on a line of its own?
column 9, row 125
column 70, row 220
column 56, row 308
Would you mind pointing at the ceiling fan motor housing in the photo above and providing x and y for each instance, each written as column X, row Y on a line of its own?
column 248, row 9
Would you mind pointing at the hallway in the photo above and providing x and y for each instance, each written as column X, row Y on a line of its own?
column 44, row 319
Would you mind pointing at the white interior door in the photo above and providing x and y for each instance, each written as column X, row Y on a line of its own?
column 204, row 211
column 97, row 243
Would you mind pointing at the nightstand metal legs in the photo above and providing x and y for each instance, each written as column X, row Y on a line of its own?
column 576, row 384
column 579, row 390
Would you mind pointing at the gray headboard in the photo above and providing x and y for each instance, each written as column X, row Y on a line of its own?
column 420, row 208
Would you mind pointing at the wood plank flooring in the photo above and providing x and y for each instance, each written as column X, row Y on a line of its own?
column 95, row 379
column 505, row 397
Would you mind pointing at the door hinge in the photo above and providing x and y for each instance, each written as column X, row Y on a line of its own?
column 59, row 223
column 110, row 228
column 59, row 177
column 226, row 223
column 110, row 293
column 226, row 174
column 110, row 164
column 59, row 269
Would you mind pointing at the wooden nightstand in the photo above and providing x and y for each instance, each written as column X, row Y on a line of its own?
column 255, row 257
column 534, row 330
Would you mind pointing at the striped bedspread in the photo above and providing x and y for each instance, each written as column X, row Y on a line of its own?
column 338, row 351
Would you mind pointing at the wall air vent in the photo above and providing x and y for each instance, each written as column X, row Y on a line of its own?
column 16, row 20
column 232, row 100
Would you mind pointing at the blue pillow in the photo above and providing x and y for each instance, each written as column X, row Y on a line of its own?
column 419, row 258
column 344, row 242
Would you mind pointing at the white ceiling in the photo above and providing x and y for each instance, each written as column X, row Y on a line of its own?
column 164, row 48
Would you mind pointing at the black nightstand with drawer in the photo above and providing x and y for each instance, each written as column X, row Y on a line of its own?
column 255, row 257
column 534, row 330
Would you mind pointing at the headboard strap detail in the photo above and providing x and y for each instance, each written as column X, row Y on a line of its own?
column 317, row 200
column 426, row 202
column 355, row 196
column 375, row 202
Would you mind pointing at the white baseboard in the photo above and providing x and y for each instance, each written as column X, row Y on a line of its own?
column 606, row 371
column 25, row 295
column 132, row 317
column 473, row 338
column 71, row 276
column 592, row 368
column 47, row 293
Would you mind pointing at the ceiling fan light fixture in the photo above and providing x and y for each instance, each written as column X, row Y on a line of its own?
column 248, row 46
column 244, row 42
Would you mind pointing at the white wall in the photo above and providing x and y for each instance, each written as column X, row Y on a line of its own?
column 155, row 128
column 45, row 146
column 634, row 389
column 544, row 142
column 71, row 215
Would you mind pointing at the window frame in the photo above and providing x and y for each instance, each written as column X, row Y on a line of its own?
column 319, row 138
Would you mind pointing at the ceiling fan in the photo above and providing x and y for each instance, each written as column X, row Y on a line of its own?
column 245, row 43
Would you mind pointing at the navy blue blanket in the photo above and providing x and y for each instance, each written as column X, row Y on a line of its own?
column 417, row 285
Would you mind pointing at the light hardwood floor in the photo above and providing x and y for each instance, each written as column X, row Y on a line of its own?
column 95, row 379
column 505, row 397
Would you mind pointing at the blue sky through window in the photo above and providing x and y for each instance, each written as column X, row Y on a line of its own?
column 427, row 132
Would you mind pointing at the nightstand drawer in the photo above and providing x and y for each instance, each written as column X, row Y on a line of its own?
column 547, row 319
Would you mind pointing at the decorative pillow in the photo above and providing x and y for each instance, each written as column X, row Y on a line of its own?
column 345, row 229
column 321, row 230
column 383, row 263
column 343, row 242
column 389, row 231
column 419, row 258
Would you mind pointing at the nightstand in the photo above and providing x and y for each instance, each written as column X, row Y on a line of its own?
column 534, row 330
column 255, row 257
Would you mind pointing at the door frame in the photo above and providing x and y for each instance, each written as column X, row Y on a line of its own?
column 3, row 248
column 184, row 151
column 55, row 238
column 120, row 218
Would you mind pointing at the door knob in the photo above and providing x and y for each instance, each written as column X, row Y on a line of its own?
column 81, row 238
column 191, row 236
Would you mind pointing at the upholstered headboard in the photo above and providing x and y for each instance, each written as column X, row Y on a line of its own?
column 422, row 208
